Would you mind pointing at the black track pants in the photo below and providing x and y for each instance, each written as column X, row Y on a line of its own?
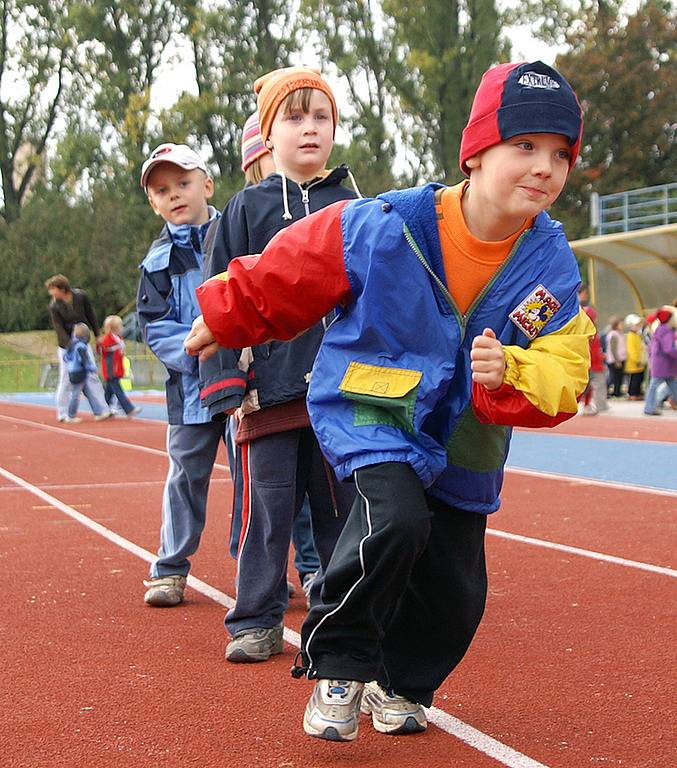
column 404, row 591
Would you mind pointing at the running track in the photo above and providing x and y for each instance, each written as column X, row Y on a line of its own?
column 573, row 664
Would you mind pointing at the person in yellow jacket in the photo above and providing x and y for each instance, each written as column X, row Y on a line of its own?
column 635, row 363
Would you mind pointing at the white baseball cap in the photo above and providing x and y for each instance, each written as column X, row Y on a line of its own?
column 178, row 154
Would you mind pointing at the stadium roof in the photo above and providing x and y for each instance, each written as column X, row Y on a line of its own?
column 631, row 271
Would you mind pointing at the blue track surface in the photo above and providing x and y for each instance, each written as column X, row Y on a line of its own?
column 153, row 411
column 636, row 462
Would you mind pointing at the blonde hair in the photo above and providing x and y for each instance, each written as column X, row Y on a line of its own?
column 81, row 331
column 253, row 174
column 111, row 323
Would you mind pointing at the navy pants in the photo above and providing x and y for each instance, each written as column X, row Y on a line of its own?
column 404, row 592
column 278, row 472
column 112, row 389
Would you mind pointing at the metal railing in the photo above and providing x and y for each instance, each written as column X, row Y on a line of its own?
column 634, row 209
column 36, row 374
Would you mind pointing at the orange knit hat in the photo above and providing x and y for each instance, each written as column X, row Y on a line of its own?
column 273, row 88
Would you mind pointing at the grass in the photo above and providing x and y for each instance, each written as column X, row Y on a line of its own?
column 24, row 355
column 19, row 371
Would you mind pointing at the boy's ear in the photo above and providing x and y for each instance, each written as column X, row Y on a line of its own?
column 209, row 187
column 152, row 204
column 268, row 143
column 474, row 161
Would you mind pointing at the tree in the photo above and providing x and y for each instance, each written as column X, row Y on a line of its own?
column 232, row 44
column 625, row 75
column 35, row 50
column 447, row 47
column 353, row 37
column 122, row 42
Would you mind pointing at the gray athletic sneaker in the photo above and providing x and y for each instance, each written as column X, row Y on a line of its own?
column 391, row 713
column 333, row 711
column 255, row 644
column 308, row 581
column 165, row 591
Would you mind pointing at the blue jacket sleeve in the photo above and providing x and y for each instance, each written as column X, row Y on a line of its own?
column 159, row 322
column 222, row 383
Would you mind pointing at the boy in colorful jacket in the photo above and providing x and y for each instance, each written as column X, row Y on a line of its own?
column 459, row 319
column 178, row 187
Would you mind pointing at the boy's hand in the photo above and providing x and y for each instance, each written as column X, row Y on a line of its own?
column 200, row 341
column 488, row 362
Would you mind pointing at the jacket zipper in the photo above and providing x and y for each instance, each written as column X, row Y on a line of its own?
column 463, row 318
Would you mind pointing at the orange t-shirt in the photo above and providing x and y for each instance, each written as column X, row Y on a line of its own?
column 469, row 263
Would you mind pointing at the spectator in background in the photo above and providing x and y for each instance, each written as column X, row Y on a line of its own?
column 112, row 364
column 635, row 362
column 81, row 365
column 616, row 354
column 662, row 360
column 68, row 307
column 595, row 396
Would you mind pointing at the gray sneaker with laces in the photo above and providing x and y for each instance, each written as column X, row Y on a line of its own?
column 256, row 644
column 333, row 711
column 391, row 713
column 165, row 591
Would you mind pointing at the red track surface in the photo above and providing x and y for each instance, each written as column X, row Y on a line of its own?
column 571, row 666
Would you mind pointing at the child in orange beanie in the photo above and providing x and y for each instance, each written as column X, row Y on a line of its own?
column 281, row 459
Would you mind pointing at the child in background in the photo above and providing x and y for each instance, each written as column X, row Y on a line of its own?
column 635, row 362
column 281, row 459
column 258, row 164
column 421, row 420
column 83, row 377
column 112, row 348
column 616, row 354
column 178, row 188
column 595, row 396
column 662, row 360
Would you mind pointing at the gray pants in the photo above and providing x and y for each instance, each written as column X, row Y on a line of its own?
column 92, row 390
column 64, row 390
column 192, row 452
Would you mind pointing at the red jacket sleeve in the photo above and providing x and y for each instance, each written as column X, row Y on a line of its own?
column 293, row 284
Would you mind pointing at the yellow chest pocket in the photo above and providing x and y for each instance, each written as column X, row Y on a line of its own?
column 382, row 396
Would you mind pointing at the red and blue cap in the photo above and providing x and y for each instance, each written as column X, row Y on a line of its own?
column 523, row 97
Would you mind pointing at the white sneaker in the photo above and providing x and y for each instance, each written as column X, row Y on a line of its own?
column 391, row 713
column 134, row 412
column 102, row 416
column 165, row 591
column 71, row 419
column 333, row 710
column 308, row 581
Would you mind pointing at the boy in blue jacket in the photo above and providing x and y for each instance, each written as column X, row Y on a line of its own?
column 459, row 320
column 178, row 187
column 281, row 460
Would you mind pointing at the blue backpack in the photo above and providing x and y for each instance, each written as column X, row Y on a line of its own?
column 75, row 364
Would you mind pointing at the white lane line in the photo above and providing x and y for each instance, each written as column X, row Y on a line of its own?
column 95, row 438
column 443, row 720
column 580, row 480
column 662, row 570
column 89, row 486
column 574, row 479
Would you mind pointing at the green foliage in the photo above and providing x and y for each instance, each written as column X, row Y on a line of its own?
column 447, row 47
column 625, row 75
column 74, row 135
column 35, row 53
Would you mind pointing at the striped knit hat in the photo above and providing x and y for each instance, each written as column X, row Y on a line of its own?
column 252, row 143
column 513, row 99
